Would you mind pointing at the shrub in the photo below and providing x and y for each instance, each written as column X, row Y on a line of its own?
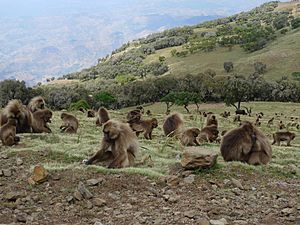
column 79, row 104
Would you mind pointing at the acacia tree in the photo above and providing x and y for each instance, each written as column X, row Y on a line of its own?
column 237, row 89
column 169, row 99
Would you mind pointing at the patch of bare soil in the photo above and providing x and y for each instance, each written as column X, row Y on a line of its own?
column 238, row 197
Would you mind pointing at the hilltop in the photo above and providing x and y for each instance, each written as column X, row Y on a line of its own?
column 264, row 34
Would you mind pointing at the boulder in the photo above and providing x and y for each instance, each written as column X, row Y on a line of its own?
column 198, row 157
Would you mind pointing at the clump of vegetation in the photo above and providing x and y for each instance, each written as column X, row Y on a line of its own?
column 78, row 105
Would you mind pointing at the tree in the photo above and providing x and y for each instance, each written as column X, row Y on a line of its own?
column 13, row 89
column 228, row 66
column 280, row 22
column 237, row 89
column 169, row 99
column 105, row 99
column 260, row 67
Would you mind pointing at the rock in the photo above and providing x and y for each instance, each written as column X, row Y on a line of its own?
column 12, row 196
column 198, row 157
column 172, row 181
column 21, row 218
column 218, row 222
column 237, row 183
column 84, row 191
column 240, row 222
column 190, row 179
column 98, row 223
column 94, row 182
column 203, row 221
column 77, row 195
column 19, row 161
column 4, row 156
column 287, row 211
column 89, row 205
column 70, row 199
column 190, row 214
column 99, row 202
column 7, row 172
column 39, row 176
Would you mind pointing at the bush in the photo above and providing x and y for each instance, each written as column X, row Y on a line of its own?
column 79, row 104
column 228, row 66
column 105, row 99
column 295, row 23
column 260, row 67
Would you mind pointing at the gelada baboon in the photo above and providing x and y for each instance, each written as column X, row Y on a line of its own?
column 189, row 137
column 36, row 103
column 149, row 113
column 16, row 110
column 281, row 125
column 271, row 121
column 257, row 122
column 141, row 108
column 144, row 126
column 173, row 125
column 103, row 116
column 225, row 114
column 40, row 121
column 237, row 118
column 208, row 134
column 8, row 133
column 246, row 144
column 134, row 116
column 283, row 136
column 70, row 123
column 211, row 120
column 90, row 113
column 119, row 145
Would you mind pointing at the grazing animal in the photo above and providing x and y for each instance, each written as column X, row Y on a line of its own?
column 144, row 126
column 283, row 136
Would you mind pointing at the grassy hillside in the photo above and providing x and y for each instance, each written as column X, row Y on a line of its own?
column 67, row 151
column 148, row 57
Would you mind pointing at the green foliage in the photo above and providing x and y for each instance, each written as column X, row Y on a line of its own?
column 202, row 44
column 13, row 89
column 63, row 97
column 296, row 75
column 260, row 67
column 105, row 99
column 295, row 23
column 228, row 66
column 124, row 79
column 237, row 89
column 280, row 21
column 79, row 104
column 255, row 37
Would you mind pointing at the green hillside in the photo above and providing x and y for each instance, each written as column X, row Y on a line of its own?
column 259, row 49
column 208, row 46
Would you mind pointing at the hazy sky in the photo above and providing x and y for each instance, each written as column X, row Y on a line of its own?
column 17, row 8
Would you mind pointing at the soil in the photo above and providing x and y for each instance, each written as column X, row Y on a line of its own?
column 183, row 198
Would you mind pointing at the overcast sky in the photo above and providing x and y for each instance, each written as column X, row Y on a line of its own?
column 17, row 8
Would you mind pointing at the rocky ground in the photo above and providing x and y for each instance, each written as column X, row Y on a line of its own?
column 84, row 196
